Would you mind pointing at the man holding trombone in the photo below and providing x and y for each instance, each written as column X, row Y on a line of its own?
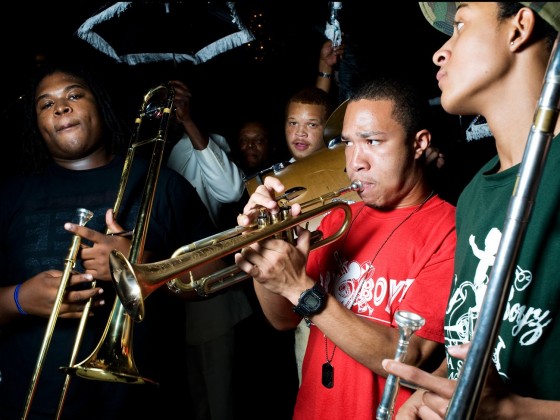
column 397, row 254
column 494, row 64
column 74, row 148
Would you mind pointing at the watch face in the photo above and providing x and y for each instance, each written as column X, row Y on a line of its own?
column 312, row 301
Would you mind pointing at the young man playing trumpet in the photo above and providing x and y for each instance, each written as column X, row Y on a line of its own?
column 396, row 255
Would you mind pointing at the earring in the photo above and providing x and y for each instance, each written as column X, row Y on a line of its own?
column 511, row 43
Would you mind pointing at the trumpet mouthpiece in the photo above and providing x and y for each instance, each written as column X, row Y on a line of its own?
column 356, row 185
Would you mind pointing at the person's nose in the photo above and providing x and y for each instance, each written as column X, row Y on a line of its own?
column 356, row 159
column 441, row 56
column 246, row 145
column 62, row 107
column 300, row 131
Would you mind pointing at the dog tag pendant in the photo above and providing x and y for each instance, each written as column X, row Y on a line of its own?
column 328, row 375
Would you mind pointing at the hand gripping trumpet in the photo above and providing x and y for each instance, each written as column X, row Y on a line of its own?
column 135, row 282
column 408, row 323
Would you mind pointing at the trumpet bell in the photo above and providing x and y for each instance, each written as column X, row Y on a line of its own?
column 128, row 288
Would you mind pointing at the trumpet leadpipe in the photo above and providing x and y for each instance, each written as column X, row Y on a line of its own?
column 354, row 186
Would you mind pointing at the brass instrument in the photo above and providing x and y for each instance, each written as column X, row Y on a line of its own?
column 333, row 126
column 320, row 173
column 83, row 216
column 408, row 323
column 112, row 359
column 135, row 282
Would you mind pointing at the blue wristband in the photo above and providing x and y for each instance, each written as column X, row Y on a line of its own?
column 16, row 294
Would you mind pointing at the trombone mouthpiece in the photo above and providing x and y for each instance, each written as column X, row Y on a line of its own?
column 356, row 186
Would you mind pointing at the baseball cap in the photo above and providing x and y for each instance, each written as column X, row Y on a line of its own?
column 441, row 15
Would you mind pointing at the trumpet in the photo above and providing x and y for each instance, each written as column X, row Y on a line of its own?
column 135, row 282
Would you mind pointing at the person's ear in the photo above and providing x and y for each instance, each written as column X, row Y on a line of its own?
column 422, row 141
column 522, row 26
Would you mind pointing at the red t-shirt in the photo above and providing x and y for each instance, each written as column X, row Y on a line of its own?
column 412, row 271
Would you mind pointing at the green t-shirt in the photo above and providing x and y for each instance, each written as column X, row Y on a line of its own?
column 526, row 351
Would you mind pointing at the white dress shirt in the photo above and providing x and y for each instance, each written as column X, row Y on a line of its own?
column 216, row 178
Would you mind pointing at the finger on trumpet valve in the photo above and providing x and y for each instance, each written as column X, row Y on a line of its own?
column 263, row 219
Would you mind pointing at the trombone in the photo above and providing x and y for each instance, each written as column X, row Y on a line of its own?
column 135, row 282
column 112, row 359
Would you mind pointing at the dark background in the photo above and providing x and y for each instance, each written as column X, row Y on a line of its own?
column 255, row 79
column 283, row 58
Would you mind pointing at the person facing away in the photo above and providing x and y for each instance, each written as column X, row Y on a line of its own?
column 73, row 147
column 397, row 254
column 494, row 51
column 204, row 160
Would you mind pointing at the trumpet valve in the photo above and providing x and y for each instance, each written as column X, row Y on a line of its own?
column 263, row 219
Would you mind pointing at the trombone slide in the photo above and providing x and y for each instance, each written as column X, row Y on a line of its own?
column 83, row 216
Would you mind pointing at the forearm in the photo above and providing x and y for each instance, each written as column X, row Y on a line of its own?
column 366, row 341
column 277, row 309
column 325, row 75
column 324, row 83
column 520, row 408
column 198, row 139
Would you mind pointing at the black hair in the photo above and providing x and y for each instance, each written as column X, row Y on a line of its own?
column 35, row 154
column 312, row 95
column 410, row 107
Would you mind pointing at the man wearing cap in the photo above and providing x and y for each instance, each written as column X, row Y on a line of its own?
column 494, row 65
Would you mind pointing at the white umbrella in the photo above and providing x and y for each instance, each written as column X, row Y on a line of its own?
column 144, row 32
